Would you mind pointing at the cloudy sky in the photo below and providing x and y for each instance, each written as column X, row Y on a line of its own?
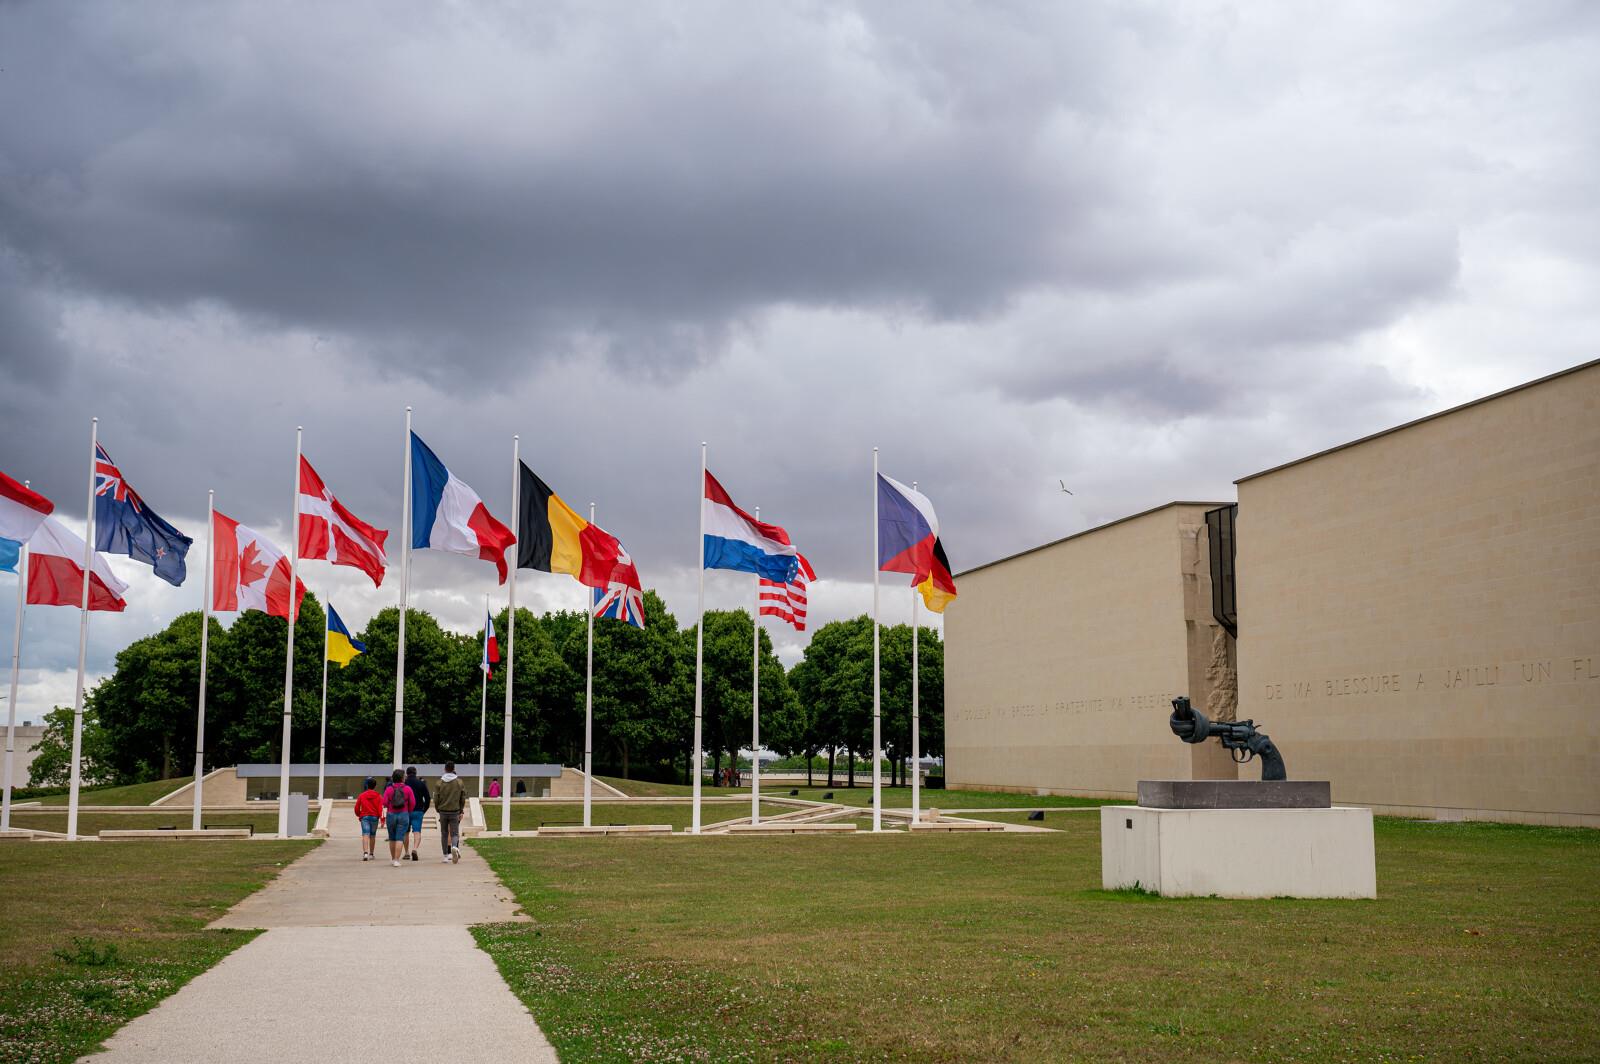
column 1142, row 248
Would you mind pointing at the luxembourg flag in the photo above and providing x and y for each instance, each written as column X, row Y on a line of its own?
column 448, row 515
column 22, row 511
column 55, row 572
column 735, row 540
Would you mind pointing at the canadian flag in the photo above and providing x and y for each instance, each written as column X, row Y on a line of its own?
column 250, row 573
column 332, row 533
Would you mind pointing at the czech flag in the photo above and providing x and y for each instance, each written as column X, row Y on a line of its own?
column 341, row 648
column 735, row 540
column 55, row 572
column 908, row 542
column 448, row 515
column 22, row 511
column 491, row 648
column 552, row 538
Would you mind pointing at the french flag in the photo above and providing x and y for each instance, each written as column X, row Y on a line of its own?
column 22, row 511
column 735, row 540
column 448, row 515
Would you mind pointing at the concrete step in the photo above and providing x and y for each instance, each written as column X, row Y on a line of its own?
column 130, row 835
column 955, row 826
column 614, row 829
column 789, row 829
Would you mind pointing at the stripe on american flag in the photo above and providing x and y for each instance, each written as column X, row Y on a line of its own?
column 787, row 602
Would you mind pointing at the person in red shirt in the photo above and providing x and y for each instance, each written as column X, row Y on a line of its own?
column 398, row 802
column 369, row 810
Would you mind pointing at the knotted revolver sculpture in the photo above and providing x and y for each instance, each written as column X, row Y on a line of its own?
column 1239, row 737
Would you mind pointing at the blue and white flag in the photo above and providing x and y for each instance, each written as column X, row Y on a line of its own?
column 125, row 524
column 735, row 540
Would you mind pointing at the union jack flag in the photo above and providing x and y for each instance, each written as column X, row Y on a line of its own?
column 787, row 601
column 622, row 599
column 108, row 479
column 125, row 524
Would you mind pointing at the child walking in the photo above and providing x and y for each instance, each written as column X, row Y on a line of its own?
column 398, row 802
column 369, row 810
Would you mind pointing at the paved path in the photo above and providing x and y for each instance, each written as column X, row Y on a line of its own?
column 312, row 987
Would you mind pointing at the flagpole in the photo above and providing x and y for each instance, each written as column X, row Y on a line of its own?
column 588, row 701
column 405, row 566
column 83, row 643
column 483, row 712
column 916, row 727
column 288, row 656
column 755, row 704
column 699, row 644
column 877, row 700
column 322, row 738
column 511, row 630
column 205, row 640
column 16, row 665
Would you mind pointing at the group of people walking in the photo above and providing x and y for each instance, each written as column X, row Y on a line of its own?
column 400, row 808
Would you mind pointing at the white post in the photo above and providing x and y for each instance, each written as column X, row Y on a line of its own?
column 16, row 665
column 205, row 643
column 288, row 656
column 511, row 629
column 405, row 589
column 83, row 642
column 699, row 644
column 916, row 726
column 877, row 714
column 588, row 701
column 483, row 711
column 322, row 737
column 755, row 705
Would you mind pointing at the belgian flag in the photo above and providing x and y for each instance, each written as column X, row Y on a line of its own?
column 552, row 538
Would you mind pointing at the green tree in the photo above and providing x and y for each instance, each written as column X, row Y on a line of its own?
column 52, row 762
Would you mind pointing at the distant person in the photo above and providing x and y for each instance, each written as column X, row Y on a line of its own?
column 419, row 789
column 398, row 802
column 494, row 788
column 522, row 788
column 450, row 802
column 369, row 810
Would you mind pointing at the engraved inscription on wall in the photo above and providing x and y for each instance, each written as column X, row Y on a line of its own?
column 1064, row 708
column 1581, row 669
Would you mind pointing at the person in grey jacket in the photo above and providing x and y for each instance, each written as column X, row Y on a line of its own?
column 450, row 801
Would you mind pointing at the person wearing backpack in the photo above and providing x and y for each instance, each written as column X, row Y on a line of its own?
column 419, row 790
column 398, row 802
column 450, row 802
column 369, row 810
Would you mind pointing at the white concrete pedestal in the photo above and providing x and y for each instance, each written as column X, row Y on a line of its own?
column 1239, row 853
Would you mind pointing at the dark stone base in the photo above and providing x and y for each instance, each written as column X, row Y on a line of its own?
column 1235, row 794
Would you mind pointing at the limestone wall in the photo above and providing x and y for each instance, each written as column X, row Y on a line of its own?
column 1419, row 612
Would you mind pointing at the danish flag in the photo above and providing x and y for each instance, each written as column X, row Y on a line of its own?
column 332, row 533
column 788, row 601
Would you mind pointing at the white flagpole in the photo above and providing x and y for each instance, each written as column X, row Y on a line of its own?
column 755, row 705
column 322, row 738
column 16, row 665
column 916, row 727
column 405, row 589
column 699, row 642
column 288, row 656
column 588, row 701
column 877, row 714
column 83, row 643
column 483, row 712
column 205, row 641
column 511, row 628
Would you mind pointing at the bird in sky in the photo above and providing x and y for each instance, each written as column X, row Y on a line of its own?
column 1065, row 488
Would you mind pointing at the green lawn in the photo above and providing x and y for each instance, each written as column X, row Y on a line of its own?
column 133, row 794
column 149, row 902
column 861, row 794
column 91, row 823
column 1484, row 945
column 1052, row 819
column 528, row 817
column 646, row 789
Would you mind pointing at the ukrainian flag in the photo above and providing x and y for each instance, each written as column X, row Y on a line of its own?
column 341, row 647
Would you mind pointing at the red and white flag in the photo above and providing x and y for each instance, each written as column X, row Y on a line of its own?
column 250, row 573
column 788, row 601
column 55, row 571
column 330, row 532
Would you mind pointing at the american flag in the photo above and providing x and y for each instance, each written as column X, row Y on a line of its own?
column 788, row 601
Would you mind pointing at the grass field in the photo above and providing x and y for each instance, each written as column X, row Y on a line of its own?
column 133, row 794
column 678, row 815
column 66, row 907
column 893, row 797
column 91, row 823
column 1484, row 944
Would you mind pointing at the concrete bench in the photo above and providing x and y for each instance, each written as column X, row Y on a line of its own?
column 141, row 835
column 956, row 826
column 790, row 829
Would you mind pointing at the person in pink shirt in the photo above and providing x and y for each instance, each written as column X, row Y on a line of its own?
column 398, row 802
column 494, row 788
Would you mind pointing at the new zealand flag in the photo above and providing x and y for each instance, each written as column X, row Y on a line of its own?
column 123, row 524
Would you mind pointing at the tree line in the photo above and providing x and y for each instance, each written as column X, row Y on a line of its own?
column 140, row 721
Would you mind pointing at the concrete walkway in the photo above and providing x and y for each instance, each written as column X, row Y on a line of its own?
column 314, row 986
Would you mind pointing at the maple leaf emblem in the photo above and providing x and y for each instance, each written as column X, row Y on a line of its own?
column 251, row 568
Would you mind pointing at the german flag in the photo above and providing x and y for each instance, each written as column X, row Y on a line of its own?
column 552, row 538
column 938, row 587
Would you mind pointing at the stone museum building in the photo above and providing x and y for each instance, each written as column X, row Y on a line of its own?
column 1414, row 616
